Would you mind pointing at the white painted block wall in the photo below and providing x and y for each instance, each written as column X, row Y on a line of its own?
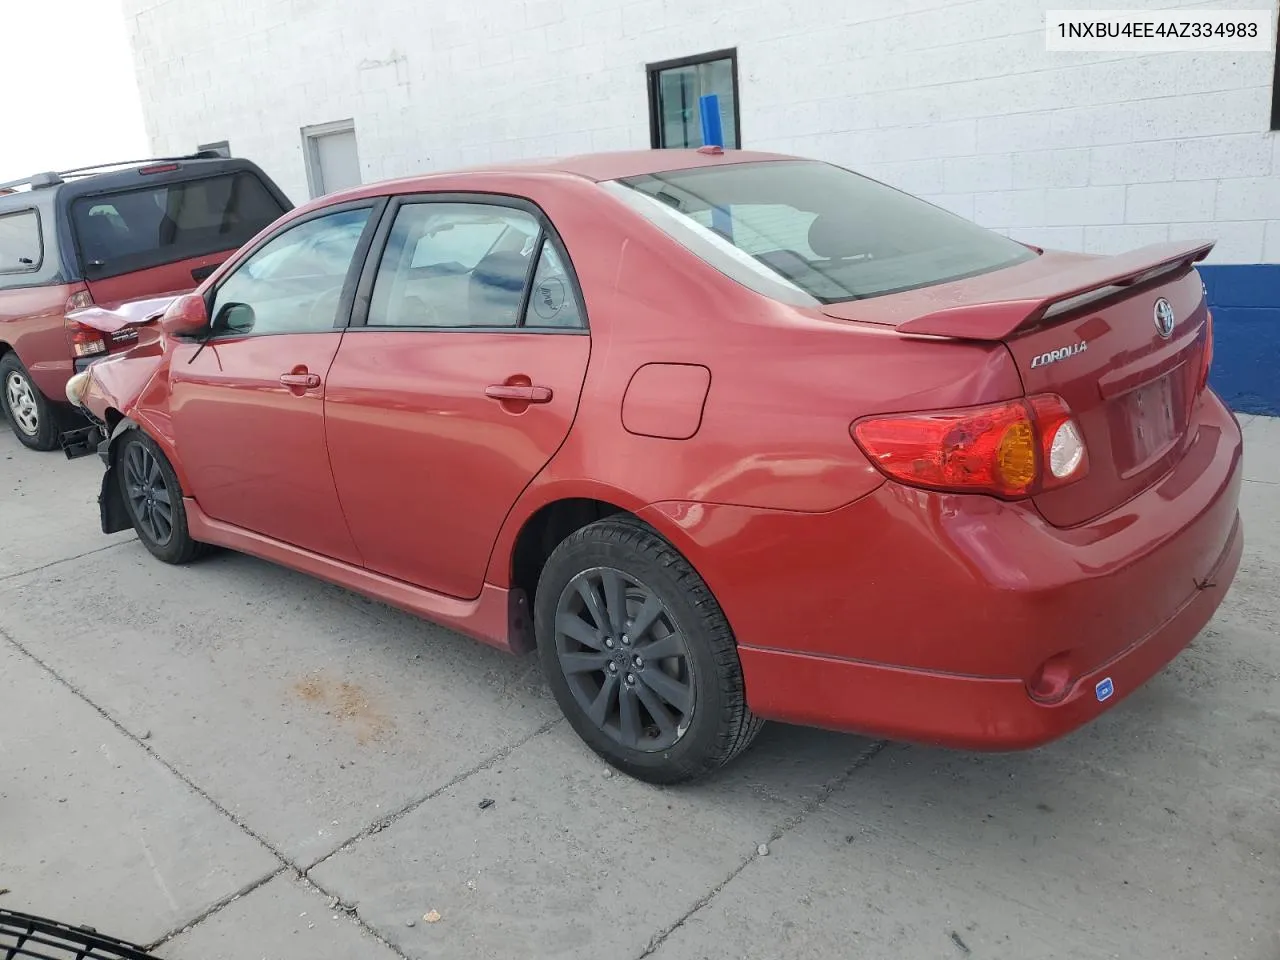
column 956, row 100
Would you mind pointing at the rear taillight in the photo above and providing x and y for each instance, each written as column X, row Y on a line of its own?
column 84, row 341
column 1206, row 355
column 1012, row 449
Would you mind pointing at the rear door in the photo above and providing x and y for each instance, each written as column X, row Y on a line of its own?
column 456, row 387
column 170, row 231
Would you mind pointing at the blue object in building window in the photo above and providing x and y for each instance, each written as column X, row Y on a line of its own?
column 712, row 130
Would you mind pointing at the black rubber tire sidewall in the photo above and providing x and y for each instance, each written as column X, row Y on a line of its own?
column 722, row 726
column 180, row 547
column 46, row 437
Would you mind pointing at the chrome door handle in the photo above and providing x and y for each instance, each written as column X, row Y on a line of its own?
column 300, row 379
column 506, row 391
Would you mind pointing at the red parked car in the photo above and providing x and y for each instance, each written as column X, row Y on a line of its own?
column 725, row 436
column 106, row 235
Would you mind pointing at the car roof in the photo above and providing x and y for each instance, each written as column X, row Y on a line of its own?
column 634, row 163
column 595, row 167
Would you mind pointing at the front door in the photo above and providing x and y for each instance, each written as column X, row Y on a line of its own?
column 459, row 387
column 248, row 406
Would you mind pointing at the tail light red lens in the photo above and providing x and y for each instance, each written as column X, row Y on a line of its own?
column 84, row 341
column 1012, row 449
column 1206, row 362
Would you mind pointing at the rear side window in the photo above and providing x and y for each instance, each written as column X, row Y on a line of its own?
column 21, row 248
column 804, row 227
column 135, row 229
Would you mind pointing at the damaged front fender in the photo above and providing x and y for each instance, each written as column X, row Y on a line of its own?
column 110, row 398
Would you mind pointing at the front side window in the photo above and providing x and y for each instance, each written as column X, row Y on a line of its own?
column 804, row 229
column 21, row 249
column 453, row 265
column 676, row 88
column 151, row 226
column 294, row 283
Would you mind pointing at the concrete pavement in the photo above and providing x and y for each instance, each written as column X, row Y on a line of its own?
column 232, row 760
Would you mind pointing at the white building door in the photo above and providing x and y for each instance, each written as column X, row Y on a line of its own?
column 333, row 162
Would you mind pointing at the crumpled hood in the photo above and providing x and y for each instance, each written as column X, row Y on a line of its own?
column 111, row 318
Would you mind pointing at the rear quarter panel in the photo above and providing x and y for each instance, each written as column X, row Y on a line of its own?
column 31, row 321
column 785, row 384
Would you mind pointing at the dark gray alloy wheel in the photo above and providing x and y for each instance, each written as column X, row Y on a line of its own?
column 624, row 659
column 150, row 500
column 153, row 498
column 639, row 655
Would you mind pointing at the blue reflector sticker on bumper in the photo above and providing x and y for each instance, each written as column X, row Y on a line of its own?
column 1104, row 689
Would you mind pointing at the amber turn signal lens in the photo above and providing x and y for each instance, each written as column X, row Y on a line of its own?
column 1016, row 455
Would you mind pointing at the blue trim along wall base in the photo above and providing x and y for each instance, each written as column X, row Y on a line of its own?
column 1245, row 301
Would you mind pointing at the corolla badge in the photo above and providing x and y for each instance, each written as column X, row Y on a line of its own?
column 1164, row 318
column 1062, row 353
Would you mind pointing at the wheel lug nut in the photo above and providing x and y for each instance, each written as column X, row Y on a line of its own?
column 609, row 642
column 626, row 641
column 631, row 678
column 613, row 667
column 637, row 663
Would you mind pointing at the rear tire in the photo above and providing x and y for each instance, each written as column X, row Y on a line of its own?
column 153, row 499
column 29, row 413
column 639, row 654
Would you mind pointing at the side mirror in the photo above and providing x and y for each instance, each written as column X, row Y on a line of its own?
column 185, row 317
column 234, row 318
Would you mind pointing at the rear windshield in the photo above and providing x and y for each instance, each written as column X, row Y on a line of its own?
column 135, row 229
column 816, row 228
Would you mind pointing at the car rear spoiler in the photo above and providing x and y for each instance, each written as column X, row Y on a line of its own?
column 1027, row 304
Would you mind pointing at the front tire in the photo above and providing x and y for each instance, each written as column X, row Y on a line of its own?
column 29, row 414
column 153, row 499
column 639, row 654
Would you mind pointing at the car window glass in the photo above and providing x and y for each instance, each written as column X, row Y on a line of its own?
column 20, row 248
column 294, row 283
column 552, row 301
column 761, row 229
column 454, row 265
column 819, row 229
column 149, row 226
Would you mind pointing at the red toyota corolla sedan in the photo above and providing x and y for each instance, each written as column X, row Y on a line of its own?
column 726, row 436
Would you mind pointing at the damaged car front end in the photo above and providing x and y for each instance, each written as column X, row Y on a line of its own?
column 107, row 392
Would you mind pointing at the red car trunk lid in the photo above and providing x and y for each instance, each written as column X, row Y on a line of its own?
column 1132, row 389
column 1121, row 339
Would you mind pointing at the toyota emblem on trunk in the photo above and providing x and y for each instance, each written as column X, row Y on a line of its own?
column 1164, row 318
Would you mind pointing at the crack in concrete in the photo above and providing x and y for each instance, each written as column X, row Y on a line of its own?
column 54, row 563
column 354, row 914
column 182, row 778
column 788, row 824
column 285, row 863
column 381, row 824
column 247, row 889
column 377, row 826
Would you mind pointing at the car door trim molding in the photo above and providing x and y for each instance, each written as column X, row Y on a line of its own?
column 364, row 289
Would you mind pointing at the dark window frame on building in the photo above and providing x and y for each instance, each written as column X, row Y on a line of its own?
column 653, row 75
column 1275, row 87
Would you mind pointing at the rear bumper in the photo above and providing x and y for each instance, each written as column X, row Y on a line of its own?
column 973, row 713
column 925, row 616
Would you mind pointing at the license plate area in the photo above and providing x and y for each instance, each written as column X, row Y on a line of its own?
column 1155, row 420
